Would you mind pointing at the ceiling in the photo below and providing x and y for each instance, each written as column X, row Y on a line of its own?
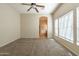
column 49, row 8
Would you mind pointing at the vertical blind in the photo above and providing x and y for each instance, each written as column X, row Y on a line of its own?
column 56, row 27
column 65, row 26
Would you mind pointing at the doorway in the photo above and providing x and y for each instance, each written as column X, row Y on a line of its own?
column 43, row 27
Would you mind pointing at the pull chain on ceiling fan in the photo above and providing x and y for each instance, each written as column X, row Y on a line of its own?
column 34, row 6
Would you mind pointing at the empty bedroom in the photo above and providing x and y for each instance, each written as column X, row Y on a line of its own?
column 39, row 29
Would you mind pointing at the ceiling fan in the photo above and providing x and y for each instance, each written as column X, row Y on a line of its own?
column 34, row 6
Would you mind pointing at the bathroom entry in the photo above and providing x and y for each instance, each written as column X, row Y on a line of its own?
column 43, row 27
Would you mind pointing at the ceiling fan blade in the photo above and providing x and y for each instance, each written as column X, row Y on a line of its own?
column 40, row 6
column 29, row 9
column 26, row 4
column 36, row 10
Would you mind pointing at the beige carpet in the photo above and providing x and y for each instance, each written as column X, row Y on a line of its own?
column 34, row 47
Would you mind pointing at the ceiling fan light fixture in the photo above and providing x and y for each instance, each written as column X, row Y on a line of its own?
column 34, row 6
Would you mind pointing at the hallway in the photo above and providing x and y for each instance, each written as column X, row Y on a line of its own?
column 34, row 47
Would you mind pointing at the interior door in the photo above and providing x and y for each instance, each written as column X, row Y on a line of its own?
column 43, row 27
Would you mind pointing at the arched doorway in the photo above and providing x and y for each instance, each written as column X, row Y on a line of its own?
column 43, row 27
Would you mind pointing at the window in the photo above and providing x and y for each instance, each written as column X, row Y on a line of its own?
column 65, row 26
column 61, row 27
column 69, row 26
column 56, row 27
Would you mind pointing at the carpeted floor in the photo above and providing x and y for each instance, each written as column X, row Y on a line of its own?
column 34, row 47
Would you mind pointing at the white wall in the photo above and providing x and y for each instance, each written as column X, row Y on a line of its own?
column 9, row 24
column 30, row 25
